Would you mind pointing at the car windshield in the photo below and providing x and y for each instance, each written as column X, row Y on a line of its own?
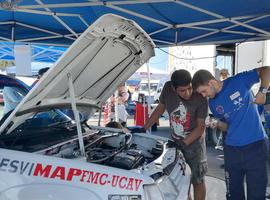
column 40, row 128
column 12, row 92
column 39, row 131
column 49, row 118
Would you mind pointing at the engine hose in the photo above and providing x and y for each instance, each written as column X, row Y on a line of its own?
column 113, row 154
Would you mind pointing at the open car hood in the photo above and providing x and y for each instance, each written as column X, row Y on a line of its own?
column 104, row 56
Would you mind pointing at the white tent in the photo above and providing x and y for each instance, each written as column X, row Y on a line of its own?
column 142, row 73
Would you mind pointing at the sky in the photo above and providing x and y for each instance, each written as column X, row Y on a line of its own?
column 160, row 60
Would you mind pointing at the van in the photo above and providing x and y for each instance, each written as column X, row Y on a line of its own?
column 155, row 90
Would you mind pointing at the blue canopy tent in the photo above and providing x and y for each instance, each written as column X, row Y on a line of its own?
column 168, row 22
column 40, row 53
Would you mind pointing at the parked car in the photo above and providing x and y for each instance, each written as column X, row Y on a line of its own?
column 12, row 89
column 1, row 97
column 47, row 155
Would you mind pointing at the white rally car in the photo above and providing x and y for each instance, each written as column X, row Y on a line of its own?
column 45, row 155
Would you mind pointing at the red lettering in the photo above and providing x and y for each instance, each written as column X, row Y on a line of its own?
column 104, row 181
column 115, row 180
column 93, row 177
column 121, row 181
column 40, row 171
column 130, row 184
column 84, row 173
column 137, row 184
column 59, row 172
column 73, row 172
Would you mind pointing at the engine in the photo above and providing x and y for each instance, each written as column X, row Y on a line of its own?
column 115, row 149
column 126, row 159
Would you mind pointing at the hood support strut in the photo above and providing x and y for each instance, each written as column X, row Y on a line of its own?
column 76, row 113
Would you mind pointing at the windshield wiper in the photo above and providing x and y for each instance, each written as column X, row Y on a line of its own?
column 68, row 122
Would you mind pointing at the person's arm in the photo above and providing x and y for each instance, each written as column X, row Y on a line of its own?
column 264, row 74
column 154, row 116
column 196, row 132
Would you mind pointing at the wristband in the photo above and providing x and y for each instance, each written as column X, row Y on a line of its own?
column 263, row 90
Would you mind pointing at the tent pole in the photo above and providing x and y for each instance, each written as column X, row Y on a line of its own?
column 100, row 113
column 149, row 93
column 116, row 115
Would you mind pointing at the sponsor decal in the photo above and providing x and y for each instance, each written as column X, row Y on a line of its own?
column 238, row 102
column 227, row 116
column 235, row 95
column 69, row 174
column 220, row 109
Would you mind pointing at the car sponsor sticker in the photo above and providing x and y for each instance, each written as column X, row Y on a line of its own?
column 69, row 174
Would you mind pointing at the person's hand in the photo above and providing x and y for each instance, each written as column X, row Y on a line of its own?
column 260, row 98
column 182, row 145
column 211, row 122
column 180, row 142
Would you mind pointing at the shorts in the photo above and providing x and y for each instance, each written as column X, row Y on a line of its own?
column 195, row 155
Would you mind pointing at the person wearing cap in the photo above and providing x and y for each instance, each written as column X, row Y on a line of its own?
column 187, row 111
column 246, row 144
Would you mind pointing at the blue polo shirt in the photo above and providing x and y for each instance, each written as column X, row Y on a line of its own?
column 233, row 104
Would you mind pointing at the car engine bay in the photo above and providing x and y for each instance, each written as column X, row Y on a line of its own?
column 115, row 149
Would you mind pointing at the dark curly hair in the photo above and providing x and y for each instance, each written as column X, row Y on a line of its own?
column 180, row 77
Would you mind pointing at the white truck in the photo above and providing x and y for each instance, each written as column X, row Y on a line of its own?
column 251, row 55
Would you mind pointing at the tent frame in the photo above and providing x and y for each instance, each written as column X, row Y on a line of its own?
column 258, row 33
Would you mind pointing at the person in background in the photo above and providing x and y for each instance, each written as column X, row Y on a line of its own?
column 246, row 144
column 122, row 99
column 40, row 74
column 224, row 74
column 187, row 111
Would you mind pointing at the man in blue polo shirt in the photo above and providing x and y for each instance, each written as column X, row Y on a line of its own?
column 245, row 150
